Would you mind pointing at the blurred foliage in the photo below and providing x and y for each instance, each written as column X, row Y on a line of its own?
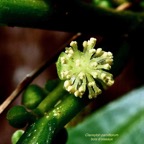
column 120, row 122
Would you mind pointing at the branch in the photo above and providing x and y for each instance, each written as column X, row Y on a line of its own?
column 30, row 77
column 71, row 16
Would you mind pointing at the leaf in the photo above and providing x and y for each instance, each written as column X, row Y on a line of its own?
column 120, row 122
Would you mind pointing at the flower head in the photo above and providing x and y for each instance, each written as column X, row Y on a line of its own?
column 87, row 70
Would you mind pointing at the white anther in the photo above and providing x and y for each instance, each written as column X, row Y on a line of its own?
column 70, row 89
column 109, row 61
column 94, row 74
column 67, row 50
column 103, row 76
column 92, row 51
column 64, row 74
column 109, row 54
column 67, row 83
column 81, row 75
column 63, row 60
column 85, row 44
column 106, row 66
column 90, row 96
column 105, row 54
column 91, row 83
column 77, row 93
column 94, row 64
column 92, row 41
column 69, row 55
column 99, row 91
column 73, row 43
column 81, row 94
column 110, row 82
column 71, row 51
column 99, row 51
column 77, row 62
column 81, row 89
column 68, row 76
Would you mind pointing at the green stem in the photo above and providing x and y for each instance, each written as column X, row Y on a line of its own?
column 25, row 13
column 64, row 15
column 43, row 129
column 51, row 100
column 67, row 109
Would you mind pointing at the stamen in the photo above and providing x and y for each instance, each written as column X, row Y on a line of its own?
column 77, row 63
column 82, row 70
column 67, row 83
column 94, row 64
column 81, row 75
column 63, row 60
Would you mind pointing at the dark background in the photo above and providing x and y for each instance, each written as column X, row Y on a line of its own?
column 23, row 49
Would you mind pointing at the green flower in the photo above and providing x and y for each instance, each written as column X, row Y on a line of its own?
column 87, row 70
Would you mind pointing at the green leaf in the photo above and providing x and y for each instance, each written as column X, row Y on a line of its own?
column 120, row 122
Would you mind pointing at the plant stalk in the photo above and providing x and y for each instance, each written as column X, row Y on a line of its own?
column 70, row 16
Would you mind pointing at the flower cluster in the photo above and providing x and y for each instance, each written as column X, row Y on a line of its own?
column 85, row 70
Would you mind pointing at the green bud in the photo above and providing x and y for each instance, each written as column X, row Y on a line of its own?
column 18, row 116
column 32, row 96
column 16, row 136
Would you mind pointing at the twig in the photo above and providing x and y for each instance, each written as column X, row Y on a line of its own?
column 31, row 76
column 124, row 6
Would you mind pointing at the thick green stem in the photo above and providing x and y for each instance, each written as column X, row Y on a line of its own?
column 25, row 13
column 43, row 130
column 64, row 15
column 68, row 108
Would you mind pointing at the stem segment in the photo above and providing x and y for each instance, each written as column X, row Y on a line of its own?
column 43, row 130
column 69, row 16
column 51, row 100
